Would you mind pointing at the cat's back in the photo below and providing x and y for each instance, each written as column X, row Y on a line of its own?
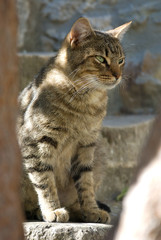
column 29, row 92
column 24, row 100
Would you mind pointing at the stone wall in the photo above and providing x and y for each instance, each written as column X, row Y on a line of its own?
column 43, row 24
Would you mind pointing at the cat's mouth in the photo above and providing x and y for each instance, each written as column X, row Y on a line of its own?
column 110, row 82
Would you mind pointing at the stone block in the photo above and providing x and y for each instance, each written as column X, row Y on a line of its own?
column 66, row 231
column 123, row 138
column 143, row 81
column 43, row 24
column 30, row 64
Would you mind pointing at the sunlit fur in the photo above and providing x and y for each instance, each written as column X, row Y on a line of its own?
column 59, row 121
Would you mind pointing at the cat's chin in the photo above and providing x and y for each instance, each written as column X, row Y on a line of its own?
column 113, row 85
column 109, row 85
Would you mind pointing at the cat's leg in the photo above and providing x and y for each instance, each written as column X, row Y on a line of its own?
column 82, row 166
column 44, row 184
column 69, row 199
column 75, row 211
column 38, row 165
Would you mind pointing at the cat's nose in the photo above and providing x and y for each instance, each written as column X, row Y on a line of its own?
column 115, row 70
column 116, row 75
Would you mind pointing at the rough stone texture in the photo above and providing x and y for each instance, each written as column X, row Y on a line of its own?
column 30, row 25
column 29, row 66
column 143, row 92
column 122, row 141
column 10, row 215
column 48, row 21
column 70, row 231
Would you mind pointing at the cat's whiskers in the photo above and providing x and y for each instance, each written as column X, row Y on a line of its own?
column 73, row 74
column 90, row 79
column 80, row 90
column 90, row 84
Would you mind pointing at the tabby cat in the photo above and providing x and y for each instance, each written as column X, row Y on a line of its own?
column 59, row 121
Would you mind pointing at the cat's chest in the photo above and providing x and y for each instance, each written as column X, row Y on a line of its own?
column 87, row 123
column 92, row 110
column 91, row 119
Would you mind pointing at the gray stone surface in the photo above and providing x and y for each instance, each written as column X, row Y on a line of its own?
column 128, row 121
column 66, row 231
column 47, row 22
column 143, row 92
column 30, row 64
column 123, row 138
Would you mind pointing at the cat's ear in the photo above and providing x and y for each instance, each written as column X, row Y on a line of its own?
column 79, row 31
column 120, row 31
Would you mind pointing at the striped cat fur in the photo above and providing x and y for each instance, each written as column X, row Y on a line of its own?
column 60, row 117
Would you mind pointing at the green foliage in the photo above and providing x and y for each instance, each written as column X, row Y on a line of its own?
column 122, row 194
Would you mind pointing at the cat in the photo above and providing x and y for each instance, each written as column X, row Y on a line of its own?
column 59, row 122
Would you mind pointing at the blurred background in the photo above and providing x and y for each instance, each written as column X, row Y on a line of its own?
column 43, row 25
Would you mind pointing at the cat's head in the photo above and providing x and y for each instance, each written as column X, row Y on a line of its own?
column 95, row 58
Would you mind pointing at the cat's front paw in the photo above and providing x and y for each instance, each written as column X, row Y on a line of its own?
column 58, row 215
column 96, row 216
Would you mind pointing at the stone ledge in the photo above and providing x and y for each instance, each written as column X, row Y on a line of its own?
column 127, row 121
column 30, row 64
column 122, row 140
column 66, row 231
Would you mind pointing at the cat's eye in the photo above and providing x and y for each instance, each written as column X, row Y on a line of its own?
column 121, row 61
column 100, row 59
